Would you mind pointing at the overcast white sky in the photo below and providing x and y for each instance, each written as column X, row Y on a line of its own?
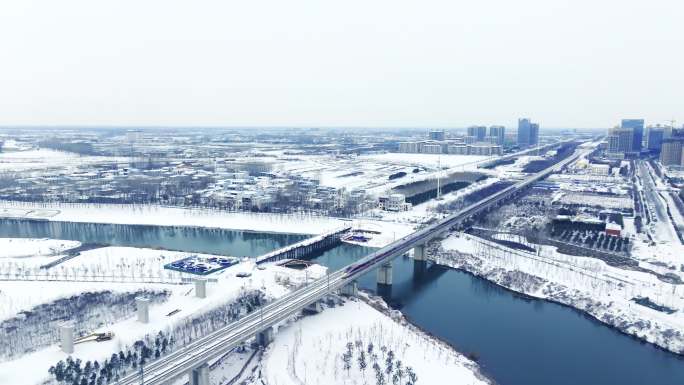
column 564, row 63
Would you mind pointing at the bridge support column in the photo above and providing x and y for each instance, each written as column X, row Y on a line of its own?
column 66, row 334
column 265, row 337
column 200, row 375
column 201, row 288
column 419, row 253
column 351, row 289
column 385, row 274
column 314, row 308
column 419, row 269
column 143, row 306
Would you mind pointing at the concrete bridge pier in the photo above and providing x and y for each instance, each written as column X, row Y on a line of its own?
column 385, row 274
column 143, row 309
column 265, row 337
column 314, row 308
column 419, row 253
column 200, row 375
column 201, row 288
column 351, row 289
column 419, row 269
column 66, row 334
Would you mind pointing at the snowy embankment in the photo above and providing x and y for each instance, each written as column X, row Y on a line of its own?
column 30, row 247
column 170, row 216
column 178, row 310
column 343, row 344
column 429, row 359
column 606, row 293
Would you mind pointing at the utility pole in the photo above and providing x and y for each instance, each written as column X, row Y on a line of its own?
column 439, row 173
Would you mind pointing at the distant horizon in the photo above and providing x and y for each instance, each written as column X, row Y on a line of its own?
column 387, row 63
column 284, row 127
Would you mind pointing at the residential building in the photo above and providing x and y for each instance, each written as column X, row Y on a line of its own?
column 478, row 132
column 654, row 138
column 619, row 142
column 484, row 149
column 671, row 152
column 431, row 149
column 409, row 147
column 528, row 133
column 395, row 202
column 637, row 127
column 458, row 149
column 497, row 134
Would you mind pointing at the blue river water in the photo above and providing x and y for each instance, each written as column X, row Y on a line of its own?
column 519, row 341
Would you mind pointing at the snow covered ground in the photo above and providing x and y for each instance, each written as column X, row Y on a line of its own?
column 587, row 284
column 514, row 169
column 32, row 368
column 170, row 216
column 45, row 159
column 371, row 172
column 429, row 358
column 425, row 211
column 467, row 162
column 29, row 247
column 311, row 350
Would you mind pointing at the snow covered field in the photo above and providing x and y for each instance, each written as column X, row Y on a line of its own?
column 467, row 162
column 45, row 159
column 425, row 211
column 311, row 351
column 587, row 284
column 29, row 247
column 371, row 172
column 429, row 359
column 172, row 216
column 32, row 368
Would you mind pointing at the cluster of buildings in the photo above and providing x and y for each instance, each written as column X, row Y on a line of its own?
column 231, row 184
column 268, row 191
column 631, row 138
column 110, row 183
column 468, row 145
column 479, row 140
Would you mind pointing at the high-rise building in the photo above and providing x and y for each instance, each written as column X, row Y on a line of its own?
column 671, row 152
column 619, row 142
column 654, row 138
column 528, row 133
column 437, row 135
column 478, row 132
column 497, row 132
column 637, row 126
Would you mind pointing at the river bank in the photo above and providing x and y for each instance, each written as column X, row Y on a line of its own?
column 606, row 294
column 313, row 349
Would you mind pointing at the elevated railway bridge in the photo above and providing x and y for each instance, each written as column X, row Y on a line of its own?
column 193, row 358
